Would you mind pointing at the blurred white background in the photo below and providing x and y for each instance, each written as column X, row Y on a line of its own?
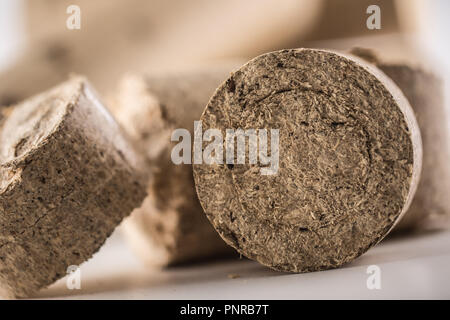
column 427, row 19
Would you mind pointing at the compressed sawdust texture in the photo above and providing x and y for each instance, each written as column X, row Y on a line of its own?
column 67, row 178
column 170, row 227
column 424, row 91
column 350, row 158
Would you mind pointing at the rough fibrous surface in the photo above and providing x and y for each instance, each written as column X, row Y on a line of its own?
column 424, row 92
column 350, row 157
column 170, row 227
column 67, row 179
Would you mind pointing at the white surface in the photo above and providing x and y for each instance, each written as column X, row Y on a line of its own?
column 411, row 267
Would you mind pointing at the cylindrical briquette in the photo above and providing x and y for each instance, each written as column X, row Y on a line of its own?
column 68, row 178
column 349, row 160
column 424, row 92
column 170, row 227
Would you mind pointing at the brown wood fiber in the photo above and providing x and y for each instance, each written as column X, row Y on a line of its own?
column 170, row 227
column 424, row 91
column 350, row 159
column 68, row 178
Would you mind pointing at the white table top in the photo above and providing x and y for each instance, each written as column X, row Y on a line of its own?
column 412, row 267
